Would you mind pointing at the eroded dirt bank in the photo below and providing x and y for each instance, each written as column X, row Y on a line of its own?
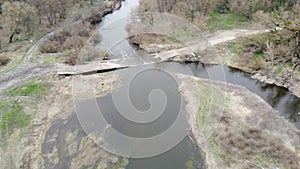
column 237, row 129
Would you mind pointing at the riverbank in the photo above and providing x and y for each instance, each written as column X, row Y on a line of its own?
column 76, row 43
column 263, row 71
column 216, row 51
column 39, row 145
column 238, row 129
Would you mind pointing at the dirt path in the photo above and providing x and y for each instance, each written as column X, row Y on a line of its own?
column 26, row 70
column 33, row 49
column 211, row 41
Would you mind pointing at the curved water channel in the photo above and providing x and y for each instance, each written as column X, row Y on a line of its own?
column 185, row 155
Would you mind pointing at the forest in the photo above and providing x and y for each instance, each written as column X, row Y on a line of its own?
column 27, row 17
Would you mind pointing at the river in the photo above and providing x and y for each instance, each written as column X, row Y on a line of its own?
column 113, row 30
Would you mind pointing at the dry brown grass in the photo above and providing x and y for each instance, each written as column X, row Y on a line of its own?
column 252, row 145
column 150, row 38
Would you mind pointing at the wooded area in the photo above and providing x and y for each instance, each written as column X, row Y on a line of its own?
column 282, row 17
column 24, row 17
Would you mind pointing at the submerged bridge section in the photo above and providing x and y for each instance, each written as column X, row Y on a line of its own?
column 89, row 68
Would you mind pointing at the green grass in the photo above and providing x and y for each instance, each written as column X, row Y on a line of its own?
column 259, row 54
column 12, row 116
column 227, row 20
column 279, row 69
column 11, row 112
column 211, row 101
column 234, row 49
column 30, row 89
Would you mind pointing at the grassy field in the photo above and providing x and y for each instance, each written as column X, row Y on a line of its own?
column 33, row 88
column 226, row 20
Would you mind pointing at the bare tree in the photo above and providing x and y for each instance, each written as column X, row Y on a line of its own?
column 17, row 17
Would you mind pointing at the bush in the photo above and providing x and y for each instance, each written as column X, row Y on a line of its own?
column 93, row 16
column 96, row 38
column 4, row 60
column 74, row 42
column 90, row 53
column 83, row 31
column 71, row 60
column 49, row 47
column 61, row 36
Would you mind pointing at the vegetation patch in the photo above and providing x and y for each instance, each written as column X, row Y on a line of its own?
column 264, row 52
column 4, row 60
column 234, row 48
column 79, row 34
column 226, row 20
column 247, row 54
column 37, row 89
column 251, row 147
column 12, row 116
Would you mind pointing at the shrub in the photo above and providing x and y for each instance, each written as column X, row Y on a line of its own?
column 61, row 36
column 93, row 16
column 83, row 31
column 96, row 38
column 71, row 60
column 49, row 47
column 4, row 60
column 73, row 42
column 90, row 53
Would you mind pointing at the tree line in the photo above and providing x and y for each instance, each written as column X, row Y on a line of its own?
column 194, row 10
column 26, row 16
